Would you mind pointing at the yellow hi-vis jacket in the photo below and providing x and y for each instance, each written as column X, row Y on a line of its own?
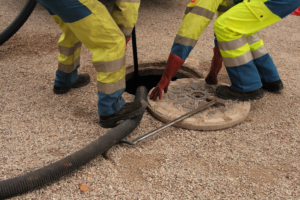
column 197, row 16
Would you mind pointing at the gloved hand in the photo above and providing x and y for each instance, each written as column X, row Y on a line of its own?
column 127, row 40
column 173, row 65
column 216, row 65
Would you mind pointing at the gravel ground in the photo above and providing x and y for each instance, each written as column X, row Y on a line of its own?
column 257, row 159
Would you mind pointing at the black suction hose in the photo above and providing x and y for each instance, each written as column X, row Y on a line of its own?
column 18, row 22
column 40, row 177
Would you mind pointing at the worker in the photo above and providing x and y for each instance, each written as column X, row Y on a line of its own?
column 196, row 18
column 88, row 22
column 231, row 30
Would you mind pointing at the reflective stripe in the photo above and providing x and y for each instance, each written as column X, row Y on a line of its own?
column 110, row 88
column 188, row 9
column 126, row 31
column 130, row 1
column 253, row 38
column 259, row 52
column 68, row 68
column 230, row 4
column 237, row 61
column 233, row 44
column 203, row 12
column 111, row 77
column 222, row 8
column 185, row 41
column 69, row 51
column 110, row 66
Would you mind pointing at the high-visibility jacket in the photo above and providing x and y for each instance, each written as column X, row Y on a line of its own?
column 197, row 16
column 88, row 22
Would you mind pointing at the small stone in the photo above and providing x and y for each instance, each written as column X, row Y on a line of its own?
column 211, row 113
column 194, row 86
column 212, row 90
column 208, row 86
column 177, row 91
column 172, row 96
column 223, row 100
column 181, row 86
column 192, row 102
column 230, row 106
column 188, row 106
column 181, row 95
column 181, row 101
column 201, row 103
column 223, row 110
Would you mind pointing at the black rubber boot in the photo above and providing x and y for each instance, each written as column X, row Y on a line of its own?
column 83, row 80
column 129, row 110
column 275, row 86
column 226, row 92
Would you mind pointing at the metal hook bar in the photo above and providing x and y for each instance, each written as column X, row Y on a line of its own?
column 212, row 102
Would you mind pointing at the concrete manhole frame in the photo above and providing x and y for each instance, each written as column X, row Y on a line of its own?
column 186, row 71
column 214, row 118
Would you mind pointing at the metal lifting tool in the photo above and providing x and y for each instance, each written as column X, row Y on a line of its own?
column 211, row 102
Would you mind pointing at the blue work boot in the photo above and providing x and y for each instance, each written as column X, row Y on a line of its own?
column 128, row 111
column 275, row 86
column 226, row 92
column 82, row 80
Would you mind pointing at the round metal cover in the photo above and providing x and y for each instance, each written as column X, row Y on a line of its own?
column 187, row 94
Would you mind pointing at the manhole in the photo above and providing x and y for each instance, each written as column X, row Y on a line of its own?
column 150, row 74
column 186, row 94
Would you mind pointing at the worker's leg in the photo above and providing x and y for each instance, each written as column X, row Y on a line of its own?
column 230, row 29
column 243, row 19
column 125, row 14
column 90, row 21
column 68, row 59
column 262, row 59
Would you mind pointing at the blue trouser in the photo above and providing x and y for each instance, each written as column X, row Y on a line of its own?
column 263, row 64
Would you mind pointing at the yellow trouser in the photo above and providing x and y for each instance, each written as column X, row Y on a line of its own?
column 88, row 22
column 240, row 20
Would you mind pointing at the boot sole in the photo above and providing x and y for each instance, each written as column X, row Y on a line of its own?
column 113, row 123
column 277, row 90
column 256, row 97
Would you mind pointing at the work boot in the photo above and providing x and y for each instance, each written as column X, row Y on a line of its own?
column 83, row 80
column 275, row 86
column 226, row 92
column 129, row 110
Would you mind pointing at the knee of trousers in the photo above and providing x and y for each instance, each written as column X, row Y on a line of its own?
column 219, row 27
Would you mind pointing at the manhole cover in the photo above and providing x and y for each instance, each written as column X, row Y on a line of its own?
column 186, row 94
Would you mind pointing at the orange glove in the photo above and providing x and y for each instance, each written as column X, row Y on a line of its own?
column 216, row 65
column 173, row 65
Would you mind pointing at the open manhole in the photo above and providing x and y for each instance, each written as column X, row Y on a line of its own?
column 150, row 74
column 187, row 94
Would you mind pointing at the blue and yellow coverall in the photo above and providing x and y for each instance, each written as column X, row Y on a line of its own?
column 88, row 22
column 232, row 29
column 197, row 16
